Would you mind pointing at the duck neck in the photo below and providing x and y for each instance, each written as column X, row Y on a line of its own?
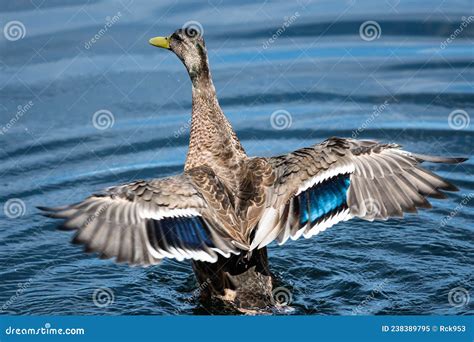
column 211, row 133
column 205, row 101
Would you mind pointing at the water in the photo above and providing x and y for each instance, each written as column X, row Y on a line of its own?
column 400, row 87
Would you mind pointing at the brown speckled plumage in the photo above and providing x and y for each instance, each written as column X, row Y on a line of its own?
column 226, row 207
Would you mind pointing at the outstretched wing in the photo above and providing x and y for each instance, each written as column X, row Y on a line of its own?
column 145, row 221
column 319, row 186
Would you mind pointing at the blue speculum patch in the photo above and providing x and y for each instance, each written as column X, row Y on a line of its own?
column 187, row 232
column 323, row 198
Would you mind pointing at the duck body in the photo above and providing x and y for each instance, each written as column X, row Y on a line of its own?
column 226, row 207
column 243, row 279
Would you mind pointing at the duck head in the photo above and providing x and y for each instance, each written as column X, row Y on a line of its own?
column 188, row 45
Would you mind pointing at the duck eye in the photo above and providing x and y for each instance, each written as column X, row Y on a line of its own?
column 176, row 37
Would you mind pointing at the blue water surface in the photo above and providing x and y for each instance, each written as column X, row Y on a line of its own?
column 309, row 60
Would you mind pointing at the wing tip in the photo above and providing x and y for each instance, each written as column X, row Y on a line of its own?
column 47, row 211
column 50, row 214
column 436, row 159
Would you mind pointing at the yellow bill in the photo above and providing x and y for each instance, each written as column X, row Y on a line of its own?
column 162, row 42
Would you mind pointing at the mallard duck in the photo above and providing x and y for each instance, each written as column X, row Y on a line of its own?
column 226, row 207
